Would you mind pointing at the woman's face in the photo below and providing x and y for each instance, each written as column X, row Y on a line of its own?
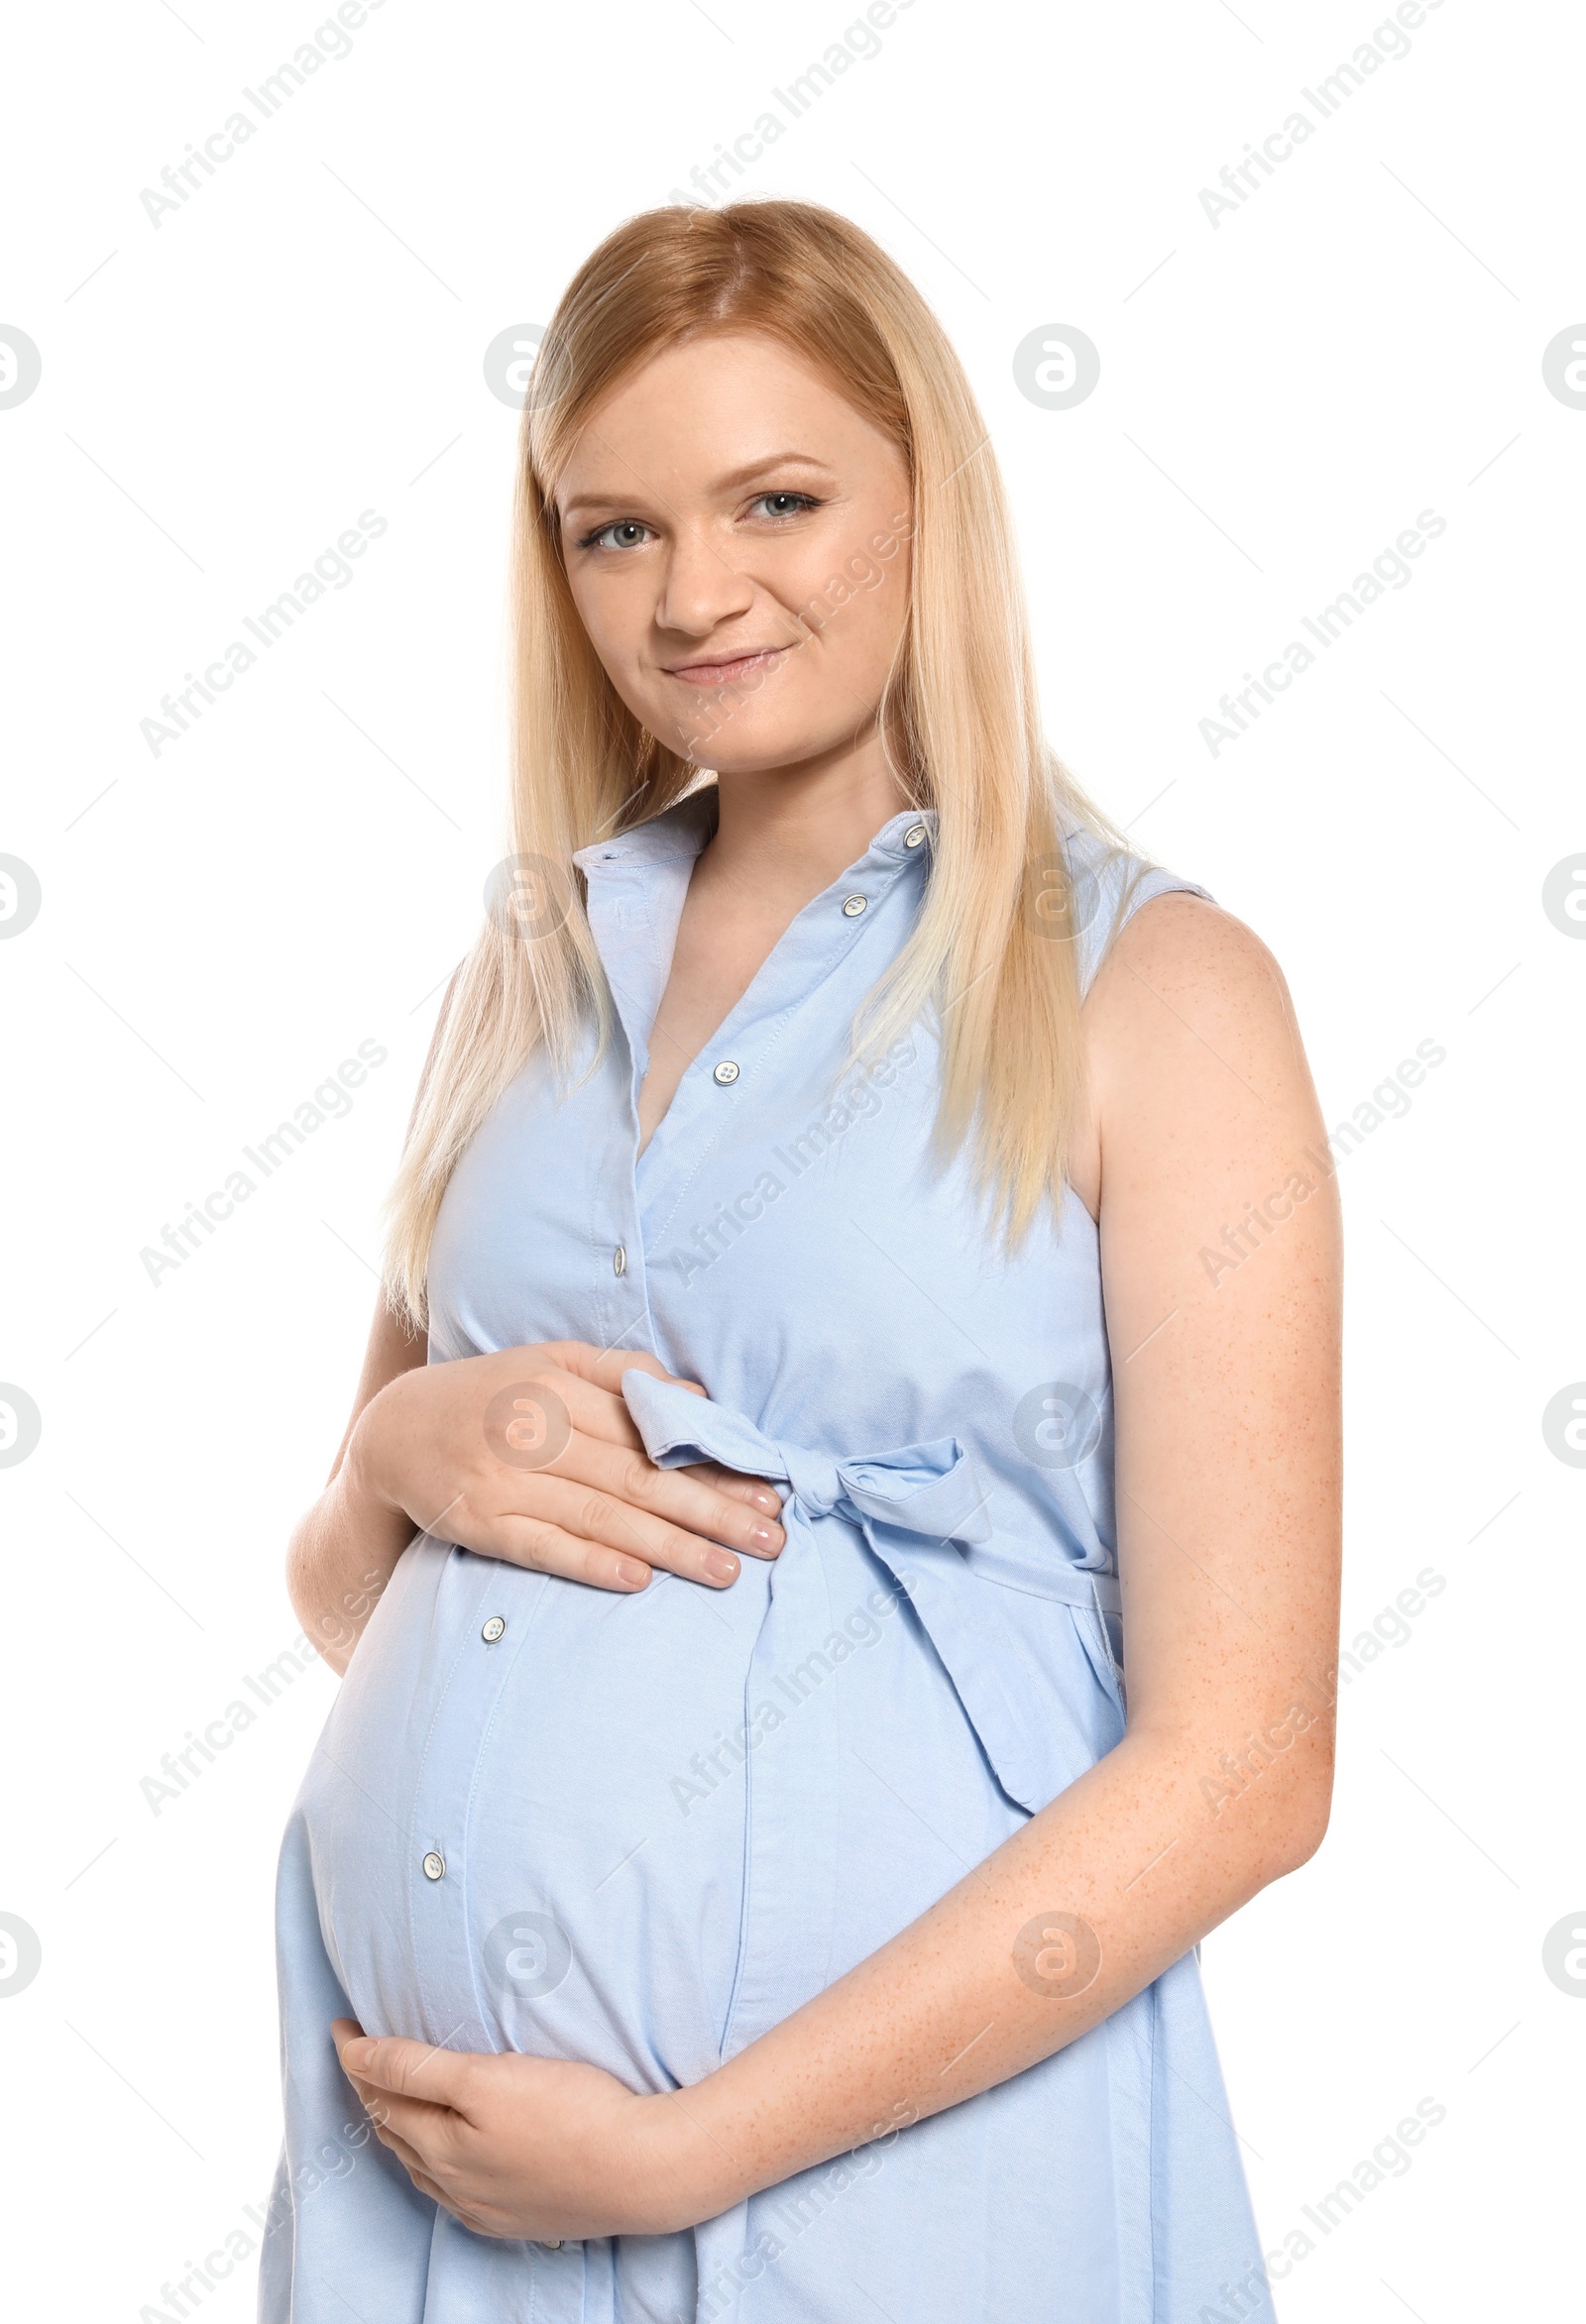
column 736, row 537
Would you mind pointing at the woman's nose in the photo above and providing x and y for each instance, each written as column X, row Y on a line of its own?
column 703, row 587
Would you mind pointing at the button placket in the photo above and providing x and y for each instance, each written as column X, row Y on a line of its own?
column 442, row 1799
column 810, row 950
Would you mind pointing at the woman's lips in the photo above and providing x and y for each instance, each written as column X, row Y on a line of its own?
column 720, row 673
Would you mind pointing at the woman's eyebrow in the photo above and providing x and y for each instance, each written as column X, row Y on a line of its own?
column 618, row 497
column 772, row 460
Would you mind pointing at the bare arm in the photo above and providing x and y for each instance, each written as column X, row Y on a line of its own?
column 344, row 1549
column 1227, row 1388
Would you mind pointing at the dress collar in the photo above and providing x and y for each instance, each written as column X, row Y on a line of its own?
column 680, row 833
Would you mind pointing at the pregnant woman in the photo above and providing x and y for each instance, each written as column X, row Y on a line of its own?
column 834, row 1554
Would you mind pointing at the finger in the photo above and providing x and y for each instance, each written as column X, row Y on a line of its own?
column 427, row 2186
column 406, row 2154
column 591, row 1409
column 599, row 1419
column 753, row 1489
column 606, row 1524
column 602, row 1371
column 413, row 2069
column 592, row 1401
column 544, row 1548
column 685, row 1499
column 427, row 2183
column 605, row 1366
column 564, row 1372
column 599, row 1370
column 421, row 2128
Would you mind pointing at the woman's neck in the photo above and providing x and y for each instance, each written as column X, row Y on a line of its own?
column 788, row 832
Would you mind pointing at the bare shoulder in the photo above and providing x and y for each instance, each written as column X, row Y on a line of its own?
column 1181, row 947
column 1185, row 976
column 1194, row 1060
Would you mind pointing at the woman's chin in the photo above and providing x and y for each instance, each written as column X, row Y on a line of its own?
column 775, row 753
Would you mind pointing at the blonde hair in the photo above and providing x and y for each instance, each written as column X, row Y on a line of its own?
column 958, row 719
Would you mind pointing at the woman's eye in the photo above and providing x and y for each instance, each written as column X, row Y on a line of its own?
column 784, row 503
column 626, row 533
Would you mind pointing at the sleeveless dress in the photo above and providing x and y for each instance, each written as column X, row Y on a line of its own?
column 639, row 1830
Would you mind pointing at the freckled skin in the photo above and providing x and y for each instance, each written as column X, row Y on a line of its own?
column 1226, row 1392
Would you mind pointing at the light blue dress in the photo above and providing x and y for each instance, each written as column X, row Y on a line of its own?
column 639, row 1830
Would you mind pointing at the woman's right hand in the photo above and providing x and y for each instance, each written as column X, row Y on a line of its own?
column 531, row 1456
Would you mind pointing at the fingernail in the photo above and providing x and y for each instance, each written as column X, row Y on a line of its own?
column 720, row 1566
column 768, row 1537
column 630, row 1570
column 764, row 1499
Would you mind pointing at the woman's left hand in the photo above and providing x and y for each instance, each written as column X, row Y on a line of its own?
column 528, row 2147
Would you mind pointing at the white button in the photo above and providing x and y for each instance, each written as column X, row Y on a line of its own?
column 619, row 1260
column 914, row 835
column 494, row 1628
column 434, row 1866
column 852, row 905
column 552, row 2243
column 726, row 1071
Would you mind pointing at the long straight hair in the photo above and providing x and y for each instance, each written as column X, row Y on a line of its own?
column 992, row 961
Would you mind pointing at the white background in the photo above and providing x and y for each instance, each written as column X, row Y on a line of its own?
column 1281, row 395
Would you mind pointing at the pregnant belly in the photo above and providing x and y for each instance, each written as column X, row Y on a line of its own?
column 636, row 1830
column 520, row 1836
